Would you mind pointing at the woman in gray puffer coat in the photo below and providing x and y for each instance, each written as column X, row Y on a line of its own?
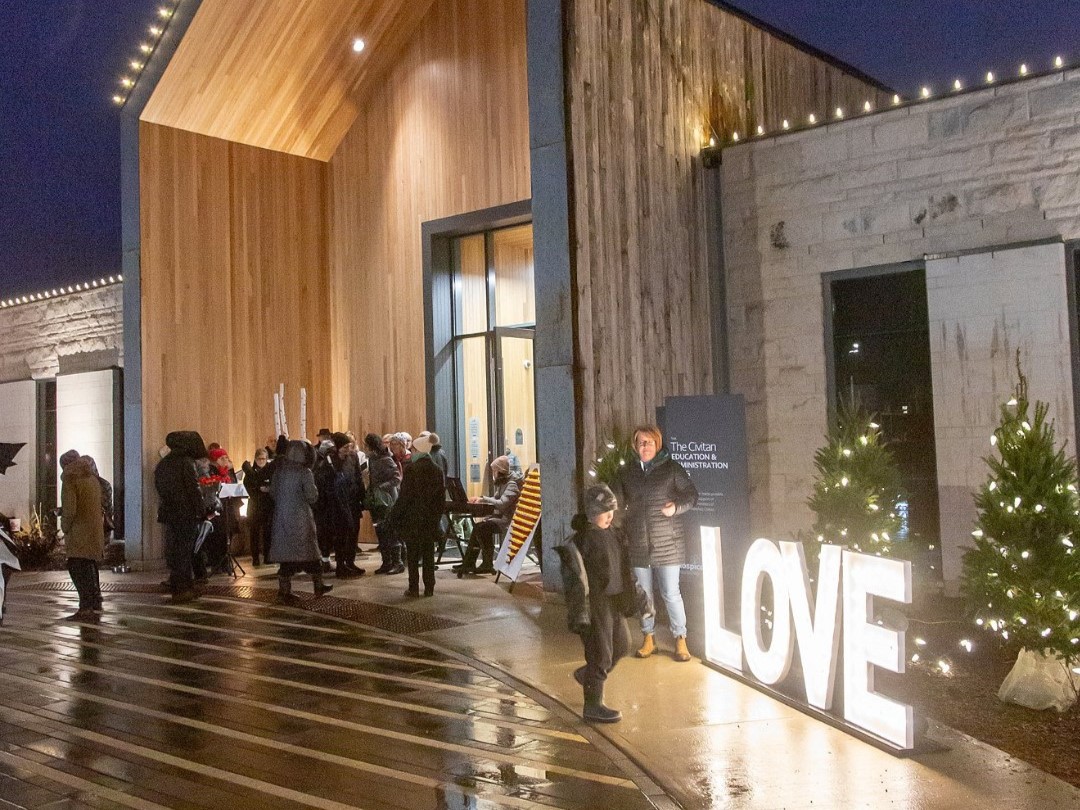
column 655, row 492
column 292, row 534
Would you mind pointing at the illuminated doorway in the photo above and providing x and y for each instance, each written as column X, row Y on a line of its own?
column 482, row 321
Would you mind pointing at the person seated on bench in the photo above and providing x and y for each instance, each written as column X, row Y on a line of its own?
column 507, row 491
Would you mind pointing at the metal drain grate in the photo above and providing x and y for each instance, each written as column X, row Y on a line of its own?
column 383, row 617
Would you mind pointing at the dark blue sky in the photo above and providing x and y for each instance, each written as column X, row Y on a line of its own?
column 60, row 60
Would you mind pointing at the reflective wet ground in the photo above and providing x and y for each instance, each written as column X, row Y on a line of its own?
column 228, row 703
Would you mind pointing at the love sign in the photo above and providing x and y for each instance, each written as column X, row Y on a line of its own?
column 843, row 612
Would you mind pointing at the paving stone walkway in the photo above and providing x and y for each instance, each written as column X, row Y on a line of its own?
column 232, row 703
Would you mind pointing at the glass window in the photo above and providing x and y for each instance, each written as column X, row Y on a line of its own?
column 470, row 284
column 515, row 297
column 474, row 411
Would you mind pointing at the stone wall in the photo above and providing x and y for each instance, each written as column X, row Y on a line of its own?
column 969, row 172
column 80, row 331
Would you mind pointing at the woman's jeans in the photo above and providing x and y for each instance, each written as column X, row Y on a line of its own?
column 666, row 578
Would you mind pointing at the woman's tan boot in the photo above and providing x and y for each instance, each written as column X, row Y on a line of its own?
column 648, row 647
column 681, row 653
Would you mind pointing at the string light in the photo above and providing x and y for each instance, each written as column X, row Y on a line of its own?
column 55, row 293
column 156, row 31
column 925, row 92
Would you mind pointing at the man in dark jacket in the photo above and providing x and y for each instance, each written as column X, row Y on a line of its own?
column 180, row 508
column 416, row 516
column 654, row 493
column 504, row 501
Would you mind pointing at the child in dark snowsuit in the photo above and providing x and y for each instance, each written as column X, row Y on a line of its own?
column 600, row 593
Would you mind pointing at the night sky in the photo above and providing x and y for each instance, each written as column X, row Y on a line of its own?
column 60, row 134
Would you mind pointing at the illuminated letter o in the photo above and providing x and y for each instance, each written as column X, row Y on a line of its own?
column 769, row 665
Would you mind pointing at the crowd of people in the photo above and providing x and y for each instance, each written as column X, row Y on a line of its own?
column 306, row 504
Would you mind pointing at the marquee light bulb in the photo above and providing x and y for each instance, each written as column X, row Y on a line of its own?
column 1023, row 70
column 925, row 92
column 1059, row 62
column 896, row 99
column 867, row 106
column 839, row 112
column 990, row 77
column 957, row 85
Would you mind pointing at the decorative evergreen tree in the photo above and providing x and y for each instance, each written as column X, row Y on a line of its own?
column 617, row 453
column 1022, row 579
column 857, row 487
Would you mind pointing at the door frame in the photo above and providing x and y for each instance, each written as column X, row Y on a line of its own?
column 437, row 237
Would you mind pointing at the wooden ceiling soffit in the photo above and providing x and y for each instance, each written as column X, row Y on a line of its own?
column 281, row 74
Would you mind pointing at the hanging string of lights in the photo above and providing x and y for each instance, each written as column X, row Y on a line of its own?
column 57, row 292
column 146, row 50
column 925, row 94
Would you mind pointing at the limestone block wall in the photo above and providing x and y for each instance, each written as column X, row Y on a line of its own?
column 80, row 331
column 968, row 172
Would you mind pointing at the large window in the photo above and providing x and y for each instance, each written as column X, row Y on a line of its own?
column 494, row 315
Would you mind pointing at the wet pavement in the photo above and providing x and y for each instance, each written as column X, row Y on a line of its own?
column 367, row 699
column 233, row 703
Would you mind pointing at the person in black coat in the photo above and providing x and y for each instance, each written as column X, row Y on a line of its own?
column 257, row 477
column 180, row 508
column 384, row 483
column 600, row 592
column 347, row 506
column 654, row 493
column 416, row 518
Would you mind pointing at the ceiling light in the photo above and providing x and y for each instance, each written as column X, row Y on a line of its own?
column 358, row 45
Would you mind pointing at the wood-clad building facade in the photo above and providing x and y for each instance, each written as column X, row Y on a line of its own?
column 286, row 194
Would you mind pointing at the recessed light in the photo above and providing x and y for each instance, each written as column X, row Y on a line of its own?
column 358, row 45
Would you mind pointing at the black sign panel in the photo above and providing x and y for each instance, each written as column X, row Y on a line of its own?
column 707, row 436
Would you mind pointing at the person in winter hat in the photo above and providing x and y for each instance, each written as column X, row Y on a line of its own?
column 482, row 541
column 181, row 508
column 430, row 443
column 600, row 593
column 292, row 534
column 384, row 483
column 84, row 534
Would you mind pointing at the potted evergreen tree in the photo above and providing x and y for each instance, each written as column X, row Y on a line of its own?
column 1022, row 578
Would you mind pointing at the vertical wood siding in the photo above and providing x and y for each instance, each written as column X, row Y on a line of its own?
column 446, row 133
column 234, row 291
column 648, row 82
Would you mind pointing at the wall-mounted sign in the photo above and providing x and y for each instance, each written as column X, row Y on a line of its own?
column 847, row 583
column 707, row 436
column 474, row 437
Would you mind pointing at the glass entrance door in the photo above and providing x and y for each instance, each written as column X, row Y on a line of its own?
column 494, row 318
column 515, row 396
